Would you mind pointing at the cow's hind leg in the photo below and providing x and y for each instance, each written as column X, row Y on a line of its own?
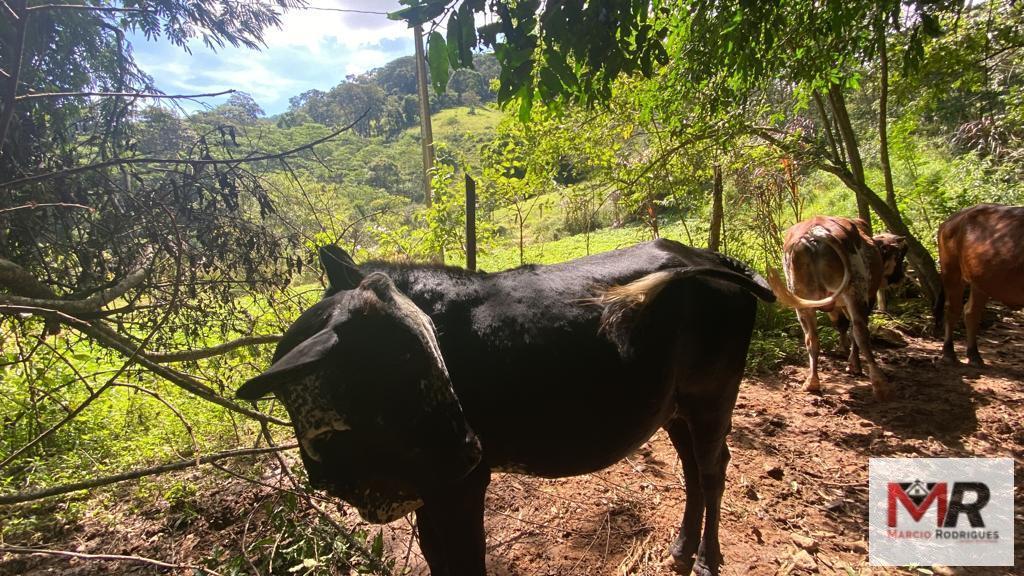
column 842, row 324
column 809, row 324
column 451, row 527
column 972, row 318
column 686, row 543
column 954, row 289
column 709, row 430
column 858, row 312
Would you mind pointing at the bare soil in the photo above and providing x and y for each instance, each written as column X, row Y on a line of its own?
column 795, row 503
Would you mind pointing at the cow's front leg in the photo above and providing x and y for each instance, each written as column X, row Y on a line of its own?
column 451, row 526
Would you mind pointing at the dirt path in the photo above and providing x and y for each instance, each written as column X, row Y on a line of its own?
column 798, row 473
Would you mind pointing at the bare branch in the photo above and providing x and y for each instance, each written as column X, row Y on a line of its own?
column 88, row 305
column 37, row 95
column 87, row 8
column 179, row 162
column 34, row 205
column 106, row 557
column 187, row 355
column 17, row 279
column 112, row 340
column 20, row 497
column 13, row 15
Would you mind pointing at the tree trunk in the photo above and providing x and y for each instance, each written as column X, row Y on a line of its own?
column 883, row 120
column 849, row 140
column 470, row 223
column 426, row 131
column 916, row 252
column 715, row 234
column 853, row 177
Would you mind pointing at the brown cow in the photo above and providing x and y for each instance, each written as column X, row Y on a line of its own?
column 838, row 268
column 980, row 246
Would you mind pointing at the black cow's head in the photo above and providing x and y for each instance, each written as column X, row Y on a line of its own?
column 363, row 380
column 893, row 249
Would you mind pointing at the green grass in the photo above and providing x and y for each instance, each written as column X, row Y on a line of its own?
column 459, row 123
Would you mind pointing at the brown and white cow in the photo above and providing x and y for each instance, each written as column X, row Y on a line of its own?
column 981, row 246
column 838, row 268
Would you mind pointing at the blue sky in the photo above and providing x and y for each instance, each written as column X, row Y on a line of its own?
column 312, row 49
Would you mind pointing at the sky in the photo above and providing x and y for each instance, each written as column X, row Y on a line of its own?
column 312, row 49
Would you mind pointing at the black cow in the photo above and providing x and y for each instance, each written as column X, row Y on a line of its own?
column 408, row 385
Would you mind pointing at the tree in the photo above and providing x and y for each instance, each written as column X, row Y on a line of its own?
column 240, row 108
column 396, row 77
column 737, row 56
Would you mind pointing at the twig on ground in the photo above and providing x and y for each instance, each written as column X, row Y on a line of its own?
column 106, row 557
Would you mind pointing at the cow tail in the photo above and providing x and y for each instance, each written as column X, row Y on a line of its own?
column 790, row 300
column 624, row 304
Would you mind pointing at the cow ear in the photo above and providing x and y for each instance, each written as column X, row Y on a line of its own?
column 299, row 362
column 342, row 272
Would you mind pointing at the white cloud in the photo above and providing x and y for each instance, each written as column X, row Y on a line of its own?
column 312, row 49
column 309, row 28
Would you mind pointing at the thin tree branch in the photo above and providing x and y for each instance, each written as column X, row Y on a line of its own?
column 30, row 496
column 179, row 162
column 187, row 355
column 38, row 95
column 106, row 557
column 827, row 126
column 13, row 15
column 34, row 205
column 114, row 9
column 112, row 340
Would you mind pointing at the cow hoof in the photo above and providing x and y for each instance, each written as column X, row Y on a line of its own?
column 854, row 371
column 950, row 360
column 679, row 564
column 881, row 392
column 812, row 385
column 976, row 361
column 703, row 569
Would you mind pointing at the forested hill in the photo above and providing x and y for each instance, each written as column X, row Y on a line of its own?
column 387, row 97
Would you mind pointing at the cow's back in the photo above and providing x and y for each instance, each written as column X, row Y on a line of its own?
column 814, row 269
column 545, row 389
column 982, row 244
